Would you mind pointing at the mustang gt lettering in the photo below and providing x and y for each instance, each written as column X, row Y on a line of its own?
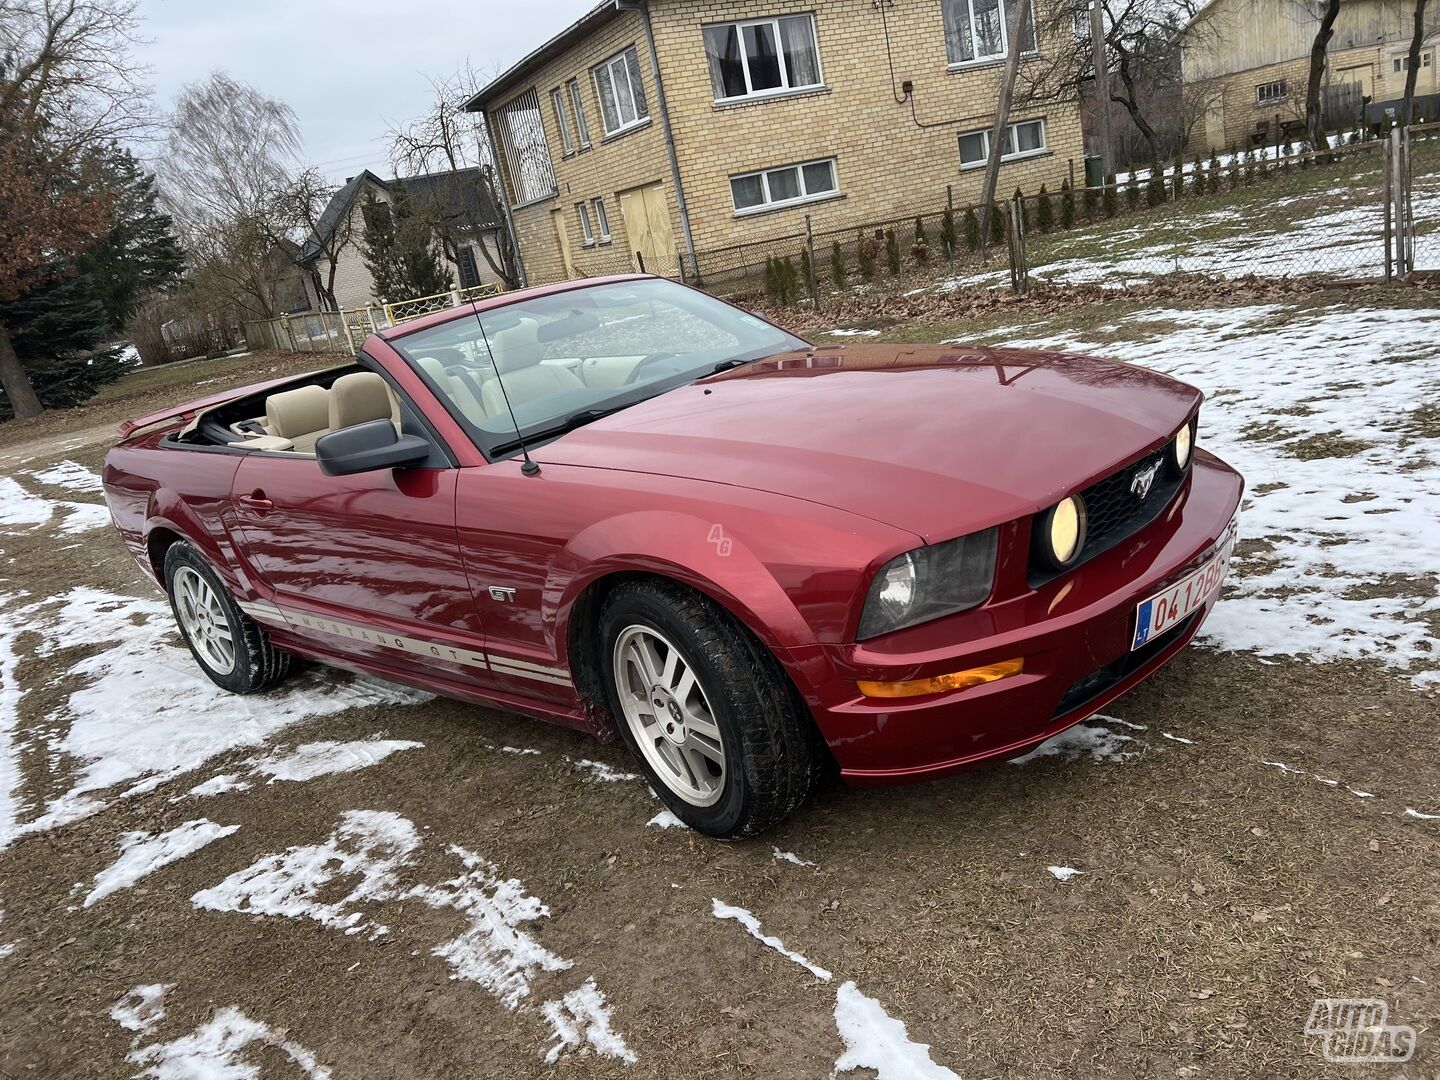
column 751, row 558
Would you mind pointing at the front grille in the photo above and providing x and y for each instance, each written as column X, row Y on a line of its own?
column 1117, row 671
column 1114, row 512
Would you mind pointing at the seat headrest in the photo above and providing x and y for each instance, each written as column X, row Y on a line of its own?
column 516, row 346
column 432, row 367
column 358, row 398
column 292, row 413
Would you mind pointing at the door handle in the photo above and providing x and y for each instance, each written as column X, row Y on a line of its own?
column 256, row 501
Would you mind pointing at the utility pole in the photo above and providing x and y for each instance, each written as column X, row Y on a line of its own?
column 1102, row 82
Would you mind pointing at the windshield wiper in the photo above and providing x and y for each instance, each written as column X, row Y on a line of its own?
column 726, row 365
column 570, row 423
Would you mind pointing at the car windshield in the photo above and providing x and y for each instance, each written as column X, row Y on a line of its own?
column 568, row 358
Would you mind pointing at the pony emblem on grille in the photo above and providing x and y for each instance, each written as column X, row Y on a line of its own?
column 1144, row 480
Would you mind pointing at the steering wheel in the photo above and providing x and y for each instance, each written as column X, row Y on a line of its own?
column 648, row 361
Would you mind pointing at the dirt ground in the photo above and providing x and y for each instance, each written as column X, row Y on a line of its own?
column 1220, row 894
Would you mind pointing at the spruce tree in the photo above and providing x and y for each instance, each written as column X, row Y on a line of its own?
column 803, row 279
column 949, row 238
column 1067, row 205
column 1132, row 190
column 865, row 256
column 837, row 265
column 1110, row 200
column 892, row 252
column 1177, row 179
column 1212, row 177
column 920, row 237
column 1092, row 203
column 972, row 229
column 1197, row 177
column 1044, row 212
column 997, row 226
column 399, row 250
column 1155, row 188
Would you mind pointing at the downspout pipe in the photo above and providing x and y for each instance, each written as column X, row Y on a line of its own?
column 643, row 6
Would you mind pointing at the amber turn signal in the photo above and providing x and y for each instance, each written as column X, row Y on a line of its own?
column 958, row 680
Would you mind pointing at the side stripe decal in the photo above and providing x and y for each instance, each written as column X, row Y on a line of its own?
column 264, row 612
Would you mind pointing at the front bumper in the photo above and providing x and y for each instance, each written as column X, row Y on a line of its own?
column 1074, row 634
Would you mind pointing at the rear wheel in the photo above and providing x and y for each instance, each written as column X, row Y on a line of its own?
column 230, row 648
column 720, row 731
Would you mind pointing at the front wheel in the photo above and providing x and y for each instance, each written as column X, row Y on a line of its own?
column 230, row 648
column 717, row 726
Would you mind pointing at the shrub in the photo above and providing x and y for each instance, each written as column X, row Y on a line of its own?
column 1212, row 178
column 892, row 252
column 920, row 237
column 1111, row 199
column 920, row 253
column 972, row 229
column 802, row 279
column 1067, row 205
column 1155, row 188
column 1197, row 177
column 997, row 225
column 1092, row 202
column 837, row 265
column 1044, row 212
column 1132, row 190
column 1177, row 178
column 866, row 252
column 949, row 238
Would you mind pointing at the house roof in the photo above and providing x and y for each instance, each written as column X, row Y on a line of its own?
column 523, row 68
column 461, row 195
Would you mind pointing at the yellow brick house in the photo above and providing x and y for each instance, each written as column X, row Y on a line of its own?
column 652, row 129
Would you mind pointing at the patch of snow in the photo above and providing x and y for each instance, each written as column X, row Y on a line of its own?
column 790, row 857
column 142, row 853
column 20, row 507
column 875, row 1040
column 1412, row 812
column 1360, row 794
column 369, row 844
column 216, row 785
column 666, row 820
column 855, row 333
column 1285, row 768
column 1123, row 723
column 142, row 1007
column 580, row 1020
column 7, row 947
column 328, row 758
column 751, row 924
column 519, row 750
column 1177, row 738
column 1099, row 744
column 605, row 772
column 213, row 1051
column 146, row 713
column 82, row 517
column 493, row 951
column 1063, row 873
column 72, row 475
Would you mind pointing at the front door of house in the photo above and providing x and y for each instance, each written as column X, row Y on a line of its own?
column 646, row 211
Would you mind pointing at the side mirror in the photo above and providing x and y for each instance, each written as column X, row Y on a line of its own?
column 368, row 447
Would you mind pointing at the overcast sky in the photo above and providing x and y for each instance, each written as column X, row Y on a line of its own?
column 347, row 69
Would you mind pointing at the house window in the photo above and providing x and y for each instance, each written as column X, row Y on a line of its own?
column 784, row 186
column 562, row 121
column 621, row 93
column 768, row 56
column 585, row 228
column 1271, row 91
column 602, row 221
column 469, row 268
column 573, row 86
column 1025, row 139
column 1402, row 63
column 975, row 30
column 523, row 146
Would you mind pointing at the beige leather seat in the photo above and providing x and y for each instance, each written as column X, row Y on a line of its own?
column 459, row 390
column 300, row 415
column 360, row 397
column 516, row 352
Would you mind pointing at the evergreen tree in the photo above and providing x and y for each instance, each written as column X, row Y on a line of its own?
column 837, row 265
column 1234, row 169
column 1044, row 212
column 920, row 237
column 972, row 229
column 1155, row 188
column 1197, row 177
column 1092, row 203
column 1212, row 177
column 949, row 238
column 1067, row 205
column 997, row 226
column 399, row 249
column 140, row 252
column 892, row 252
column 1132, row 190
column 1111, row 199
column 865, row 256
column 803, row 280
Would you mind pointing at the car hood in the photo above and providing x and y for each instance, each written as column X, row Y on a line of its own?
column 937, row 440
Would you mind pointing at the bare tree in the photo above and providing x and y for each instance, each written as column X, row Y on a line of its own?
column 302, row 204
column 451, row 141
column 68, row 86
column 1019, row 27
column 1417, row 39
column 1314, row 118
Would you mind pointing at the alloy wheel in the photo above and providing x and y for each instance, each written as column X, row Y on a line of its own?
column 203, row 618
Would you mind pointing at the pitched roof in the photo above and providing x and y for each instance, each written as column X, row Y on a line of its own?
column 461, row 195
column 517, row 72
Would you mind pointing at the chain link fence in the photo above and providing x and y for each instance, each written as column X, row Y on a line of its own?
column 1423, row 196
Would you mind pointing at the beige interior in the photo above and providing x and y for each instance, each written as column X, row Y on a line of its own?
column 301, row 415
column 516, row 352
column 359, row 398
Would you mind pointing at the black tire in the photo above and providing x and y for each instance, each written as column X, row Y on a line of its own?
column 773, row 753
column 258, row 665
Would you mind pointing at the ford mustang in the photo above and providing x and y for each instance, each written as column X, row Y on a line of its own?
column 628, row 507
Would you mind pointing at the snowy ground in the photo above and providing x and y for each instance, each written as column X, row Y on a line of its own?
column 347, row 879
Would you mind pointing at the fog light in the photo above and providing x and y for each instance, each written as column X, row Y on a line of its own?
column 958, row 680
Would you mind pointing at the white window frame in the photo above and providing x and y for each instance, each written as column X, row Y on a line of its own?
column 602, row 219
column 776, row 204
column 991, row 58
column 557, row 104
column 1011, row 138
column 577, row 106
column 587, row 234
column 619, row 62
column 1274, row 90
column 788, row 88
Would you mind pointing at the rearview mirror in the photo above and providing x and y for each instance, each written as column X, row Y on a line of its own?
column 368, row 447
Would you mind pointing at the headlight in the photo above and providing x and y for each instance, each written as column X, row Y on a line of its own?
column 1182, row 447
column 930, row 582
column 1060, row 533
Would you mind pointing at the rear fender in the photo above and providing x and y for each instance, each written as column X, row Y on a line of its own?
column 168, row 511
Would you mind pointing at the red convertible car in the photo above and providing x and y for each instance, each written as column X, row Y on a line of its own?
column 628, row 507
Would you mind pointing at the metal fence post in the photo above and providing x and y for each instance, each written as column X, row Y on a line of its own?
column 810, row 262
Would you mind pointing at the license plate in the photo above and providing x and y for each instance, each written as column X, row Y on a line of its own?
column 1168, row 609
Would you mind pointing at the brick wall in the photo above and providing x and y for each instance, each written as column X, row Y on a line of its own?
column 887, row 164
